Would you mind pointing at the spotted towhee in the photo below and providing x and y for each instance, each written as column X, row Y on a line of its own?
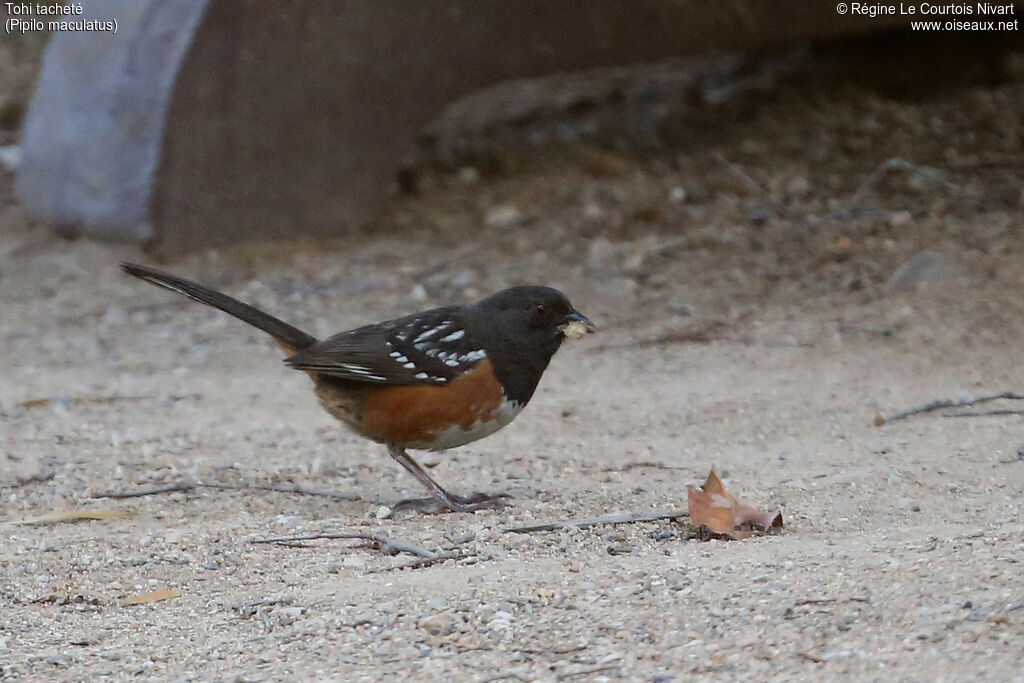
column 432, row 380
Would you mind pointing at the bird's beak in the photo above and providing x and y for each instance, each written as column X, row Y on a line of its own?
column 576, row 325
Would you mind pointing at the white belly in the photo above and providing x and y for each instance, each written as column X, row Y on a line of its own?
column 457, row 436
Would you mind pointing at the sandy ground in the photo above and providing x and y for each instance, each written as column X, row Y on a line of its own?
column 749, row 321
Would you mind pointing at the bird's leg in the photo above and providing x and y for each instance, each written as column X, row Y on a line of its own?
column 443, row 499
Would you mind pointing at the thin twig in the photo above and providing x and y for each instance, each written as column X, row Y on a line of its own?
column 855, row 202
column 948, row 403
column 828, row 601
column 386, row 544
column 72, row 400
column 281, row 488
column 616, row 518
column 170, row 488
column 986, row 413
column 191, row 486
column 552, row 651
column 645, row 464
column 741, row 174
column 811, row 657
column 587, row 672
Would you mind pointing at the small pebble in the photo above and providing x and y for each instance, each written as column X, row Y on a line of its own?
column 439, row 623
column 899, row 219
column 504, row 216
column 438, row 603
column 909, row 504
column 760, row 215
column 798, row 186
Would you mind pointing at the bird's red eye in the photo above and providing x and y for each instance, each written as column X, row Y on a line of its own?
column 538, row 309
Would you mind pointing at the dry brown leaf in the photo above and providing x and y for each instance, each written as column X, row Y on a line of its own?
column 152, row 596
column 712, row 506
column 59, row 516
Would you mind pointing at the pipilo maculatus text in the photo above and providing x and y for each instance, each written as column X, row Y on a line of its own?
column 431, row 380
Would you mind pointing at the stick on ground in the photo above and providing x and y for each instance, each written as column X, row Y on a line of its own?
column 986, row 413
column 616, row 518
column 941, row 403
column 193, row 485
column 386, row 544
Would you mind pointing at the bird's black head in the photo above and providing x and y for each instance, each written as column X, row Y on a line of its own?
column 521, row 328
column 533, row 312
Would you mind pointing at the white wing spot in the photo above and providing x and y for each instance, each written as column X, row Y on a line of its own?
column 452, row 363
column 361, row 371
column 409, row 366
column 421, row 375
column 427, row 334
column 479, row 354
column 401, row 359
column 454, row 336
column 395, row 354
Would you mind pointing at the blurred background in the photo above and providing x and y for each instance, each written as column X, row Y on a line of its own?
column 200, row 125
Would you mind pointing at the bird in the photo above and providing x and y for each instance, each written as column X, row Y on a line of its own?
column 432, row 380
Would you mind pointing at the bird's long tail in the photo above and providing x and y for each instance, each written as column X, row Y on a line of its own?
column 291, row 339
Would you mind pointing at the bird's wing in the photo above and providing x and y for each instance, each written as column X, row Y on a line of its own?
column 427, row 348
